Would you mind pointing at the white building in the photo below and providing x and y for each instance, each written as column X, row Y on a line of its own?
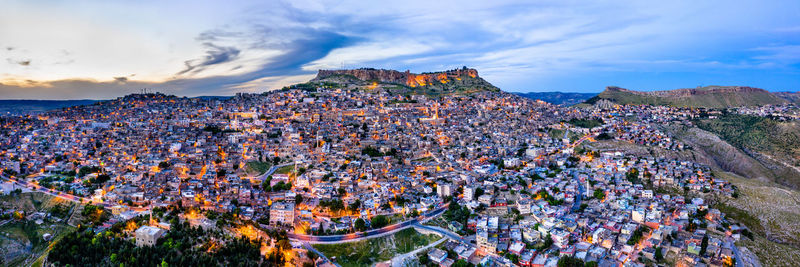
column 148, row 235
column 511, row 162
column 469, row 193
column 443, row 190
column 638, row 215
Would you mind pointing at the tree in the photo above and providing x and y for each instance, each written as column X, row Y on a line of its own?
column 355, row 205
column 704, row 245
column 570, row 262
column 379, row 221
column 599, row 194
column 478, row 192
column 637, row 235
column 360, row 224
column 284, row 244
column 659, row 255
column 312, row 255
column 95, row 214
column 461, row 263
column 633, row 175
column 423, row 259
column 298, row 199
column 548, row 242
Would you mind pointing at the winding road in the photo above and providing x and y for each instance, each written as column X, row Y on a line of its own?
column 330, row 239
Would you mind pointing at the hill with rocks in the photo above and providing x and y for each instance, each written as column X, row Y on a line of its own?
column 457, row 81
column 701, row 97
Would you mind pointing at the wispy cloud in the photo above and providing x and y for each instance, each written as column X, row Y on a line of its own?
column 214, row 55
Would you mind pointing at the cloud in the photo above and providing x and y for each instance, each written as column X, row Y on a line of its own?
column 214, row 55
column 294, row 54
column 256, row 46
column 21, row 62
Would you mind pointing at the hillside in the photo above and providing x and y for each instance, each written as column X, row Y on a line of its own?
column 558, row 98
column 702, row 97
column 17, row 107
column 793, row 97
column 773, row 143
column 457, row 81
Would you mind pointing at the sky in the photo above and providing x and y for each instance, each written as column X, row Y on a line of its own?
column 106, row 49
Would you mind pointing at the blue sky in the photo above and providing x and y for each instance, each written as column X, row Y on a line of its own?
column 105, row 49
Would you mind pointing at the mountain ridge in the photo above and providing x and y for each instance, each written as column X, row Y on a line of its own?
column 701, row 97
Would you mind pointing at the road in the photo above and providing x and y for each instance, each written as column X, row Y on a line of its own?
column 51, row 192
column 327, row 239
column 443, row 232
column 579, row 197
column 748, row 259
column 739, row 259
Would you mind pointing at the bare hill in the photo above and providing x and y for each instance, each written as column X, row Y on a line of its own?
column 702, row 97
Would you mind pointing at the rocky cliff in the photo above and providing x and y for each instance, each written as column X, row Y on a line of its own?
column 464, row 79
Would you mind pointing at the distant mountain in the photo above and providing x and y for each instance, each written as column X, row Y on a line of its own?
column 213, row 97
column 457, row 81
column 558, row 98
column 793, row 97
column 19, row 107
column 707, row 97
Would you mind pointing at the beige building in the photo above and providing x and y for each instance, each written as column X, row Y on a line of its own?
column 148, row 235
column 281, row 212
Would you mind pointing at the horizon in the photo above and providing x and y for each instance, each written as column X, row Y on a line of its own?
column 234, row 94
column 102, row 50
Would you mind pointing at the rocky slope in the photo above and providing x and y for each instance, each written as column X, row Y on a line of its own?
column 464, row 80
column 706, row 97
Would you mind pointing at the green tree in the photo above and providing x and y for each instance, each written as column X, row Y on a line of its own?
column 570, row 262
column 284, row 244
column 379, row 221
column 599, row 194
column 478, row 192
column 360, row 224
column 704, row 245
column 461, row 263
column 659, row 254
